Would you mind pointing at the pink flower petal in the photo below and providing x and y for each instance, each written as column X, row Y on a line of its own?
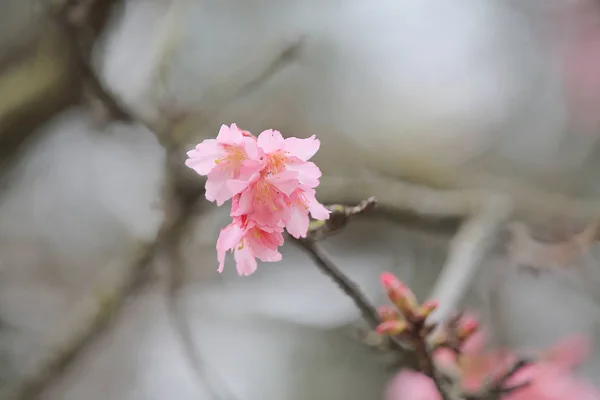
column 285, row 182
column 251, row 148
column 304, row 149
column 409, row 385
column 298, row 222
column 270, row 141
column 265, row 254
column 308, row 172
column 317, row 210
column 230, row 135
column 228, row 239
column 237, row 186
column 216, row 188
column 244, row 204
column 245, row 260
column 202, row 158
column 249, row 168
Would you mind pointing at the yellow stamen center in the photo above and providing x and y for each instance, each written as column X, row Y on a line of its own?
column 233, row 158
column 276, row 163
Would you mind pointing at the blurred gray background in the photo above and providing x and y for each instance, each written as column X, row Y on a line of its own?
column 454, row 94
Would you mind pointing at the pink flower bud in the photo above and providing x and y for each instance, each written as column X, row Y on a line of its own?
column 427, row 308
column 466, row 328
column 388, row 313
column 400, row 294
column 392, row 328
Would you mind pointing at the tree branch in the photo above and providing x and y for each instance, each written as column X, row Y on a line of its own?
column 350, row 288
column 467, row 250
column 318, row 230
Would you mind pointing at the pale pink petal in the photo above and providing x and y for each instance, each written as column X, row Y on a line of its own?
column 230, row 135
column 251, row 148
column 235, row 205
column 249, row 168
column 245, row 260
column 308, row 172
column 285, row 182
column 244, row 204
column 317, row 210
column 228, row 239
column 264, row 253
column 237, row 186
column 304, row 149
column 297, row 222
column 271, row 237
column 549, row 382
column 267, row 214
column 216, row 188
column 270, row 141
column 272, row 229
column 202, row 158
column 409, row 385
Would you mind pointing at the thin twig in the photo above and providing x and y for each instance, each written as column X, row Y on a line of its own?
column 81, row 22
column 350, row 288
column 338, row 219
column 318, row 230
column 427, row 366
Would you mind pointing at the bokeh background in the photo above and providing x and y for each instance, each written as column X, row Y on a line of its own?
column 99, row 100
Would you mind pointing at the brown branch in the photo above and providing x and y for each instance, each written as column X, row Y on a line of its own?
column 81, row 22
column 318, row 230
column 423, row 354
column 338, row 219
column 349, row 287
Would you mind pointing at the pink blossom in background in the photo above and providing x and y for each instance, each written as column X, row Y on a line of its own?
column 550, row 378
column 410, row 385
column 271, row 184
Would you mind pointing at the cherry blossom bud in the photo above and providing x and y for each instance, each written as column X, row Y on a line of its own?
column 427, row 308
column 392, row 328
column 466, row 328
column 388, row 313
column 400, row 295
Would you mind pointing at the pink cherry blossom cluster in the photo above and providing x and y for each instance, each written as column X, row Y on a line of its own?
column 461, row 349
column 272, row 187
